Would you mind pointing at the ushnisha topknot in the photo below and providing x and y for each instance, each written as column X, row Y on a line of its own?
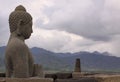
column 20, row 8
column 18, row 14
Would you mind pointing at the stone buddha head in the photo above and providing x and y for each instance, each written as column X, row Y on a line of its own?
column 20, row 22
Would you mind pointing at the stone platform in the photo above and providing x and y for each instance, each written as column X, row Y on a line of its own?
column 27, row 80
column 77, row 75
column 93, row 78
column 77, row 80
column 107, row 78
column 67, row 78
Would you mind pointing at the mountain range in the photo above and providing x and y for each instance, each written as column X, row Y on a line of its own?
column 90, row 61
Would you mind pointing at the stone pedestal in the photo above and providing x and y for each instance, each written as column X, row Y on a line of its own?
column 77, row 75
column 29, row 80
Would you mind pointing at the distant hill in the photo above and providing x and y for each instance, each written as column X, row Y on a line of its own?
column 95, row 61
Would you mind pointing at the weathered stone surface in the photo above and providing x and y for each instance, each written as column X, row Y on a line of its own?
column 29, row 80
column 59, row 76
column 38, row 70
column 92, row 79
column 2, row 79
column 107, row 78
column 18, row 58
column 77, row 80
column 2, row 74
column 77, row 65
column 77, row 75
column 101, row 78
column 51, row 76
column 64, row 75
column 77, row 69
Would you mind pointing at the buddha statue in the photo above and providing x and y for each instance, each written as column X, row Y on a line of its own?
column 18, row 58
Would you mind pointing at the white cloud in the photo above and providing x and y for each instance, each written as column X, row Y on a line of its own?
column 52, row 40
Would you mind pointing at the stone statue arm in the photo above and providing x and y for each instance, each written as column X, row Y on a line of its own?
column 31, row 64
column 9, row 68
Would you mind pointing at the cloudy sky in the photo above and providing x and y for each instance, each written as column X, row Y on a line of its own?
column 68, row 25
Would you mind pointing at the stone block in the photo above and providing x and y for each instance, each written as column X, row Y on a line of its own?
column 77, row 65
column 2, row 79
column 54, row 76
column 29, row 80
column 77, row 80
column 103, row 78
column 2, row 74
column 108, row 78
column 64, row 75
column 59, row 76
column 77, row 75
column 38, row 71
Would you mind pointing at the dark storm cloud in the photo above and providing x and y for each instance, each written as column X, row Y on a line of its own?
column 91, row 19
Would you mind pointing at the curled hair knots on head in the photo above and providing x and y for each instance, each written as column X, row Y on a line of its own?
column 20, row 8
column 17, row 15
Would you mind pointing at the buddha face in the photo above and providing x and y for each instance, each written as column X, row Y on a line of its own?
column 26, row 30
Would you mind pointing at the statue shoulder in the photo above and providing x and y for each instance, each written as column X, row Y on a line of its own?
column 16, row 45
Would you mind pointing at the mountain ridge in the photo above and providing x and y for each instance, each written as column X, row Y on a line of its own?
column 94, row 61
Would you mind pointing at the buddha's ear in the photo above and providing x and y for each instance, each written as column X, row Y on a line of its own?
column 19, row 27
